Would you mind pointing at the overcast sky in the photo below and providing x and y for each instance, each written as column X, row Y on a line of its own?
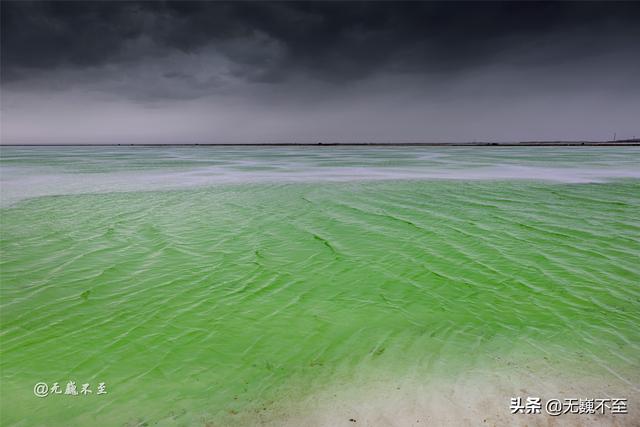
column 211, row 72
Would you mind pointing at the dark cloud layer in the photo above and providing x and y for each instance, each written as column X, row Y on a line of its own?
column 210, row 71
column 329, row 40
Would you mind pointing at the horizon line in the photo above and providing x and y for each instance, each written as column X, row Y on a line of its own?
column 559, row 143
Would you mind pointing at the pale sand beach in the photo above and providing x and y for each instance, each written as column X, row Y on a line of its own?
column 480, row 396
column 468, row 402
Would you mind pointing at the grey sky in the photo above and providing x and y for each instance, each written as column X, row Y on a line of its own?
column 207, row 72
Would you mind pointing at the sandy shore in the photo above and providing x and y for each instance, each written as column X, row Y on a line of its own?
column 471, row 401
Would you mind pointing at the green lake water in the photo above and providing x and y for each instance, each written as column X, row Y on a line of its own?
column 205, row 284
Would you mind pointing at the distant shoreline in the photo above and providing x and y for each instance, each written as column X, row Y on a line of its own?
column 624, row 143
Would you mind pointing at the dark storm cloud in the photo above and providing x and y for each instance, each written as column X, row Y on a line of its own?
column 335, row 41
column 152, row 71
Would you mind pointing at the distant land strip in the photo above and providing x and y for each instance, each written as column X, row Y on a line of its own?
column 624, row 143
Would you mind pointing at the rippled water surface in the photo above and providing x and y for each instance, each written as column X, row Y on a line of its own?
column 205, row 283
